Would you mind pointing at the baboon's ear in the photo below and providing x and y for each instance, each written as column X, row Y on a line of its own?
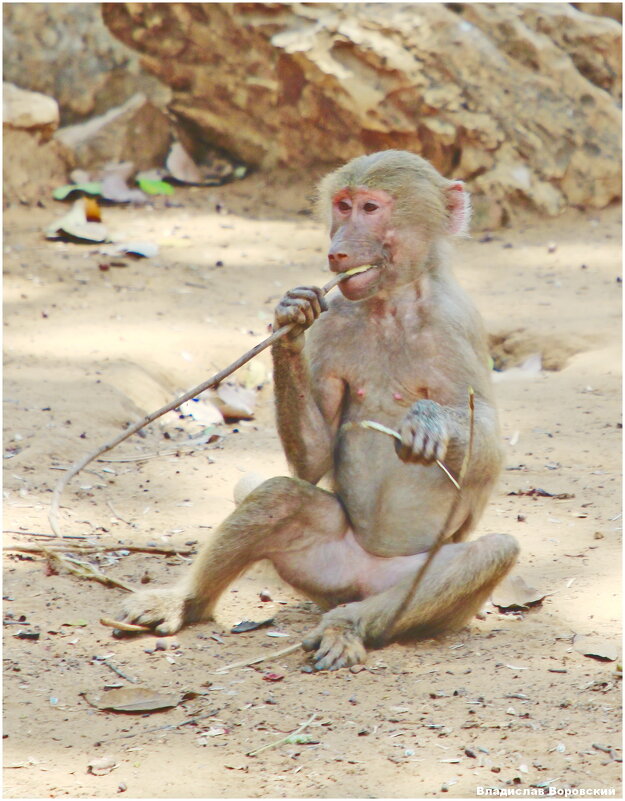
column 458, row 203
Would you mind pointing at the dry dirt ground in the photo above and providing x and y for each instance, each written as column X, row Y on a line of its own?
column 89, row 346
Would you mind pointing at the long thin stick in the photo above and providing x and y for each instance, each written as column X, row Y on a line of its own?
column 210, row 383
column 283, row 739
column 165, row 550
column 407, row 600
column 255, row 660
column 187, row 722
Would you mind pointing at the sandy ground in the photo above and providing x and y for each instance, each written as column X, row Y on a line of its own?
column 89, row 346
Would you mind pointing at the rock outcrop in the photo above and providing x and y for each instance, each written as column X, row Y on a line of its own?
column 64, row 50
column 138, row 131
column 33, row 162
column 517, row 99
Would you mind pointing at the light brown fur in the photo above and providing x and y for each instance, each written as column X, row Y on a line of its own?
column 401, row 346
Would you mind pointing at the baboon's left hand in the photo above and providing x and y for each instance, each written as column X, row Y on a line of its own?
column 424, row 433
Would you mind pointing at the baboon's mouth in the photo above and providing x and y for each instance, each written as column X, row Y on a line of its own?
column 358, row 284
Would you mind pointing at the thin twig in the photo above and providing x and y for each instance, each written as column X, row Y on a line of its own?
column 257, row 659
column 84, row 570
column 373, row 426
column 188, row 722
column 117, row 670
column 116, row 515
column 283, row 739
column 210, row 383
column 144, row 457
column 442, row 536
column 85, row 549
column 46, row 536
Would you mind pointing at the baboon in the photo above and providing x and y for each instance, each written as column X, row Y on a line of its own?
column 401, row 344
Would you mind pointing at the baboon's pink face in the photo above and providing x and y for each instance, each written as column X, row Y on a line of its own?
column 361, row 235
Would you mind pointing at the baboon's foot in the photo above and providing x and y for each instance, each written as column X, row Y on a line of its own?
column 336, row 645
column 166, row 611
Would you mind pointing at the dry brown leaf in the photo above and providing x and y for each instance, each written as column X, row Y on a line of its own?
column 235, row 402
column 181, row 166
column 131, row 699
column 115, row 187
column 514, row 593
column 74, row 226
column 101, row 766
column 595, row 647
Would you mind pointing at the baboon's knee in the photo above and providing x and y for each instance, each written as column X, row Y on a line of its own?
column 504, row 549
column 280, row 494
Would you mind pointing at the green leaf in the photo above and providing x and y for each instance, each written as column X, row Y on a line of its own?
column 151, row 187
column 88, row 188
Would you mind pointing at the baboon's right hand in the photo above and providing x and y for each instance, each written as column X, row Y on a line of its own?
column 300, row 306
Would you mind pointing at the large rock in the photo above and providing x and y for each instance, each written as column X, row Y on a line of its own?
column 514, row 98
column 138, row 132
column 30, row 111
column 33, row 163
column 65, row 50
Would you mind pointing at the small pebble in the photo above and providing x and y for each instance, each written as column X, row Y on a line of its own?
column 265, row 596
column 444, row 789
column 307, row 669
column 598, row 535
column 356, row 668
column 122, row 787
column 160, row 645
column 470, row 753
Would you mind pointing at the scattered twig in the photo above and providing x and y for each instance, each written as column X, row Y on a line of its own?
column 283, row 739
column 118, row 516
column 257, row 659
column 84, row 569
column 144, row 457
column 46, row 536
column 116, row 670
column 407, row 600
column 210, row 383
column 165, row 550
column 188, row 722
